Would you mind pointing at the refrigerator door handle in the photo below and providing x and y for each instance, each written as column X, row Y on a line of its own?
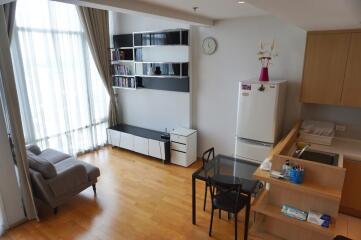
column 255, row 142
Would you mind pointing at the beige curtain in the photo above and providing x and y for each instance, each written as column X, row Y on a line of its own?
column 13, row 110
column 96, row 25
column 9, row 10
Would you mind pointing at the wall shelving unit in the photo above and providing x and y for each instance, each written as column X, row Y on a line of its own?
column 135, row 60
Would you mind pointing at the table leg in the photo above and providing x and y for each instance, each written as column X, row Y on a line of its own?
column 248, row 208
column 194, row 200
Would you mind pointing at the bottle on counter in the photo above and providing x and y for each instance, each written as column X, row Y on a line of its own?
column 286, row 169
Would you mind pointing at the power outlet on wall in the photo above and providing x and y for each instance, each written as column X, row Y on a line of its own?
column 340, row 128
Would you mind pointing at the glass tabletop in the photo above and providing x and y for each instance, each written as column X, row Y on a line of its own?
column 230, row 170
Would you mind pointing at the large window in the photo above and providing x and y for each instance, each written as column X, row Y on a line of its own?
column 64, row 104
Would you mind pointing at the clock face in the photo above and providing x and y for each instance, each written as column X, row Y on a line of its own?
column 209, row 45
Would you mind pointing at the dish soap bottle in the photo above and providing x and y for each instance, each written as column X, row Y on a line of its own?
column 286, row 169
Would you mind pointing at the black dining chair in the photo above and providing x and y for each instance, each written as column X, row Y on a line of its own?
column 207, row 156
column 226, row 197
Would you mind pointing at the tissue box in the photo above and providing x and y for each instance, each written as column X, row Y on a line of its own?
column 294, row 213
column 320, row 219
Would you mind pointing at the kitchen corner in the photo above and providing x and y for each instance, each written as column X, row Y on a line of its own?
column 320, row 191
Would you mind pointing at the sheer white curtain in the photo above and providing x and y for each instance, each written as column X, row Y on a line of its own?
column 64, row 104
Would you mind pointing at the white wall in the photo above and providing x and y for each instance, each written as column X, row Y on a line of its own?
column 215, row 77
column 153, row 109
column 350, row 117
column 10, row 195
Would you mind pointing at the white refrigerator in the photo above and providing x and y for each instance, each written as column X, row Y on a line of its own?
column 259, row 118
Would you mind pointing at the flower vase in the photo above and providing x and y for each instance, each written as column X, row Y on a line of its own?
column 264, row 75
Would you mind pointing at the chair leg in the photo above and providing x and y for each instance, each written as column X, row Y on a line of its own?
column 205, row 198
column 210, row 226
column 235, row 226
column 220, row 213
column 55, row 210
column 94, row 189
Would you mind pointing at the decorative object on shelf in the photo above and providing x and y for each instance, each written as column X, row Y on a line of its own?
column 209, row 45
column 122, row 55
column 157, row 71
column 265, row 57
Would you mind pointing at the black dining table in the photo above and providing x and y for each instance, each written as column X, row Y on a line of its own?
column 230, row 170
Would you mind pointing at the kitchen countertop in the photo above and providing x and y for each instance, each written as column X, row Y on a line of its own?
column 344, row 147
column 348, row 148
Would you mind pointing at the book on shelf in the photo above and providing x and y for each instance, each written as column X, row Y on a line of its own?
column 122, row 70
column 126, row 82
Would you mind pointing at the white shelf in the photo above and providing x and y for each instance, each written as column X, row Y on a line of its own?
column 165, row 62
column 161, row 76
column 165, row 45
column 122, row 61
column 127, row 88
column 121, row 75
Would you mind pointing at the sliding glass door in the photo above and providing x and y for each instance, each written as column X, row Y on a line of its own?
column 64, row 104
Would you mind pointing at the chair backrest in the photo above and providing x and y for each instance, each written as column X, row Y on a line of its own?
column 219, row 187
column 208, row 155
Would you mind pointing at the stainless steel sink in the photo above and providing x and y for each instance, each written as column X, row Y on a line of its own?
column 320, row 157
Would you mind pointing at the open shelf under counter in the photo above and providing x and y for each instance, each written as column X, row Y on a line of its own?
column 260, row 232
column 305, row 187
column 271, row 210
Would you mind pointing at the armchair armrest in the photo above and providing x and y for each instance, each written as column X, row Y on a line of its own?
column 68, row 180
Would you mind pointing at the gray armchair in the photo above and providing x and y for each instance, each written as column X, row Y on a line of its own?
column 56, row 176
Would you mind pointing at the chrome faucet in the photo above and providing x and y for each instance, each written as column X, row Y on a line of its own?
column 299, row 152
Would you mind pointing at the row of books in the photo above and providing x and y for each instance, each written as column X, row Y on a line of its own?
column 117, row 54
column 124, row 82
column 122, row 70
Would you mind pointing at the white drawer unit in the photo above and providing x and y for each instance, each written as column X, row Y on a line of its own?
column 183, row 146
column 140, row 140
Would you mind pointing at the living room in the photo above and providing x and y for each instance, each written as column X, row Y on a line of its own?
column 115, row 114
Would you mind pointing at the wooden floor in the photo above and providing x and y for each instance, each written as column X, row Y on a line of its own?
column 138, row 198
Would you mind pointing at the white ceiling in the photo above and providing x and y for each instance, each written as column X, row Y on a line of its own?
column 307, row 14
column 213, row 9
column 315, row 14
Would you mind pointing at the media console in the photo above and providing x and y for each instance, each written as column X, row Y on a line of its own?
column 140, row 140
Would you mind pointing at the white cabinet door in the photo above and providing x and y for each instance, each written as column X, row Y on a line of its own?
column 156, row 149
column 141, row 145
column 127, row 141
column 114, row 137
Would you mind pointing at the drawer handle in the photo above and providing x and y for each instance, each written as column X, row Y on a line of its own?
column 178, row 151
column 179, row 143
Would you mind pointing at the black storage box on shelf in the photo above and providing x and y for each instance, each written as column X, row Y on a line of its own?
column 123, row 40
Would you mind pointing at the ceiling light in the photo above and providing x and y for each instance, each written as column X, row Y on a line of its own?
column 241, row 2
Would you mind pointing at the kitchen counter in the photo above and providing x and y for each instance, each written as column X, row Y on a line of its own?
column 348, row 148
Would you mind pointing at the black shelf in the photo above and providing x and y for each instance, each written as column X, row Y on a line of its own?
column 120, row 54
column 165, row 69
column 167, row 84
column 174, row 37
column 123, row 40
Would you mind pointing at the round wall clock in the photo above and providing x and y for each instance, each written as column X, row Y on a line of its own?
column 209, row 45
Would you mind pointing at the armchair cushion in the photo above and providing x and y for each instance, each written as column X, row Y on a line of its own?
column 44, row 167
column 54, row 156
column 70, row 177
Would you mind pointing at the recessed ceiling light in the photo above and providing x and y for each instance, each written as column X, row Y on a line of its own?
column 241, row 2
